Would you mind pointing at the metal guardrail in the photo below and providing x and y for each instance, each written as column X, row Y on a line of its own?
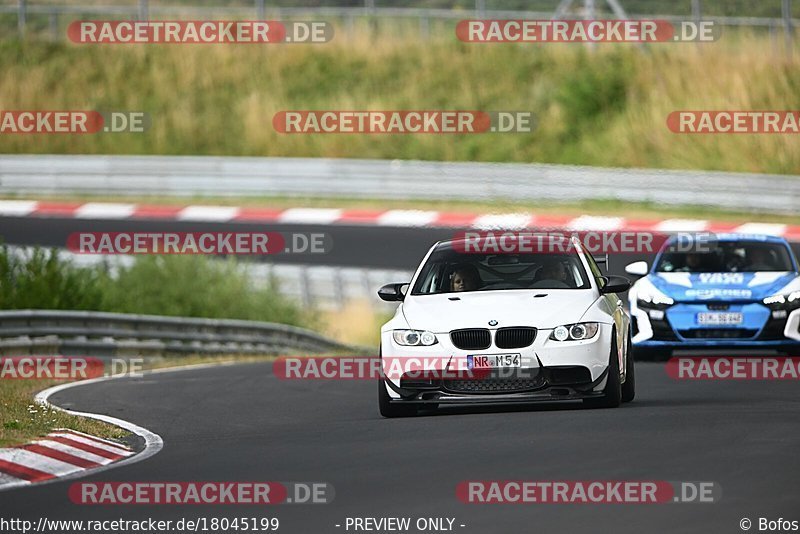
column 389, row 179
column 85, row 333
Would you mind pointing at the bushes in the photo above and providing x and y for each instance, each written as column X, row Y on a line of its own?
column 42, row 280
column 196, row 286
column 190, row 286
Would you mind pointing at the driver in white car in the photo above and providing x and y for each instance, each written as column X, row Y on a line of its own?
column 465, row 277
column 553, row 270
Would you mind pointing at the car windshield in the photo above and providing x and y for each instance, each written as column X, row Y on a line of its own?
column 733, row 256
column 449, row 271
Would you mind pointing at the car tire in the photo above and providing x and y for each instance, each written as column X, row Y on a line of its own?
column 629, row 386
column 389, row 409
column 612, row 393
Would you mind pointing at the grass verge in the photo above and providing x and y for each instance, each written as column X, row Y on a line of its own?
column 23, row 420
column 607, row 107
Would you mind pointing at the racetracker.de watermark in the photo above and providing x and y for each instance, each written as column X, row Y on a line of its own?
column 200, row 493
column 214, row 243
column 734, row 122
column 402, row 122
column 429, row 367
column 594, row 242
column 734, row 368
column 199, row 32
column 39, row 121
column 585, row 31
column 67, row 367
column 587, row 492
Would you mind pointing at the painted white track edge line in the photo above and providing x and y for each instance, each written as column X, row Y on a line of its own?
column 153, row 442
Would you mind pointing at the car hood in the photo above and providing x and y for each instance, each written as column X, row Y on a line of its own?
column 706, row 286
column 439, row 314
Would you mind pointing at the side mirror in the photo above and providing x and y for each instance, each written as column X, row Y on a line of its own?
column 393, row 292
column 637, row 268
column 616, row 284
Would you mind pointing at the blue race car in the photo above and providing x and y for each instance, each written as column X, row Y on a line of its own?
column 732, row 291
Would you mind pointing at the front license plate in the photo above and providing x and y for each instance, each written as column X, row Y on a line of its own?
column 493, row 361
column 719, row 318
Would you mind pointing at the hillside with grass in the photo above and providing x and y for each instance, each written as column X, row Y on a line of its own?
column 607, row 107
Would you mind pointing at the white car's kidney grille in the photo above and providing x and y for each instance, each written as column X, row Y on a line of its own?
column 471, row 338
column 515, row 337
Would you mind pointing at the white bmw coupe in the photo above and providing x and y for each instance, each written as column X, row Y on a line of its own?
column 506, row 326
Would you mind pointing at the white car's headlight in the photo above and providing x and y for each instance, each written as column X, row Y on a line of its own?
column 574, row 332
column 414, row 338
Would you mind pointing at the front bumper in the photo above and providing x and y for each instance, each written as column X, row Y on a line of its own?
column 676, row 326
column 550, row 370
column 550, row 386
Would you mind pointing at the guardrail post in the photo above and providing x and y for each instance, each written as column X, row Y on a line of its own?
column 144, row 10
column 786, row 9
column 22, row 17
column 696, row 15
column 369, row 7
column 54, row 25
column 338, row 288
column 424, row 27
column 260, row 10
column 590, row 14
column 305, row 287
column 696, row 11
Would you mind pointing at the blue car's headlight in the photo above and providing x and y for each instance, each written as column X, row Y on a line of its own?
column 650, row 297
column 653, row 298
column 783, row 300
column 574, row 332
column 414, row 338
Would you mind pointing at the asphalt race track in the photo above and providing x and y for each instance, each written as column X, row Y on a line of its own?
column 239, row 423
column 356, row 246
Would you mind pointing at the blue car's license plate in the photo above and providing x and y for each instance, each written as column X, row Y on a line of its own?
column 720, row 318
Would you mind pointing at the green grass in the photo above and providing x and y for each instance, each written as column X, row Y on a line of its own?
column 604, row 108
column 22, row 420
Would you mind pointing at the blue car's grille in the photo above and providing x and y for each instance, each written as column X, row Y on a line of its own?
column 718, row 333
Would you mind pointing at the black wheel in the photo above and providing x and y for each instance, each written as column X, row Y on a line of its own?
column 388, row 409
column 612, row 393
column 629, row 386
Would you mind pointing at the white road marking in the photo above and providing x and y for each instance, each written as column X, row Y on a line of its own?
column 104, row 210
column 17, row 208
column 408, row 218
column 208, row 213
